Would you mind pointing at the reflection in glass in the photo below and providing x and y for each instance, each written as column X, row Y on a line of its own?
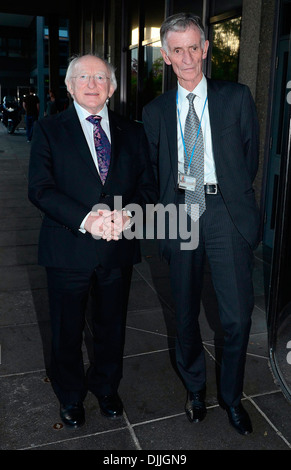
column 283, row 346
column 153, row 62
column 146, row 65
column 134, row 37
column 133, row 82
column 225, row 50
column 133, row 52
column 282, row 102
column 153, row 72
column 154, row 11
column 279, row 311
column 151, row 34
column 99, row 37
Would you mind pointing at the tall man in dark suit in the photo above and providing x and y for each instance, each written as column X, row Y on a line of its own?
column 220, row 137
column 77, row 170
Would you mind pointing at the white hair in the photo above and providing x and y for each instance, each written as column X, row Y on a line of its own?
column 74, row 61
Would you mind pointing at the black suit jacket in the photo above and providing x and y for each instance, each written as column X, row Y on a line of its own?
column 65, row 185
column 235, row 138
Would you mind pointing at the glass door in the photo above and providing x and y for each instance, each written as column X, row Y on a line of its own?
column 279, row 309
column 278, row 120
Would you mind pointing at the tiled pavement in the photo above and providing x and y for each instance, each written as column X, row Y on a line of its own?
column 152, row 393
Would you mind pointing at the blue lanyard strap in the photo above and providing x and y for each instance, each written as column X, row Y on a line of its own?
column 197, row 135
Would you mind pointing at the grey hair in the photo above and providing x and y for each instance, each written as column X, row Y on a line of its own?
column 180, row 22
column 75, row 59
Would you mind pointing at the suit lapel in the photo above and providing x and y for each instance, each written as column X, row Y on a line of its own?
column 215, row 105
column 115, row 130
column 74, row 130
column 170, row 114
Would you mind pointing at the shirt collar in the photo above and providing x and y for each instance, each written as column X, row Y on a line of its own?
column 83, row 113
column 200, row 90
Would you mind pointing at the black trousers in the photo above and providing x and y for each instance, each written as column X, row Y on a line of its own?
column 231, row 262
column 68, row 295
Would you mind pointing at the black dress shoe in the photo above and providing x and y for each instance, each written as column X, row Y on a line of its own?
column 239, row 419
column 195, row 406
column 73, row 414
column 110, row 405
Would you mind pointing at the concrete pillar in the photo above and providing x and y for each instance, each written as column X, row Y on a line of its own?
column 257, row 36
column 265, row 81
column 249, row 44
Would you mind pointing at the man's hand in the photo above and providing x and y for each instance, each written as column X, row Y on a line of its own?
column 94, row 224
column 114, row 224
column 107, row 224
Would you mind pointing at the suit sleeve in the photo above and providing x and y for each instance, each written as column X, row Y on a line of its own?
column 151, row 129
column 146, row 184
column 43, row 191
column 250, row 132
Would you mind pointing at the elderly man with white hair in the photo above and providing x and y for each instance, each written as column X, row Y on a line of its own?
column 81, row 160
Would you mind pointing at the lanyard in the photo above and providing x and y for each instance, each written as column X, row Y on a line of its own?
column 198, row 131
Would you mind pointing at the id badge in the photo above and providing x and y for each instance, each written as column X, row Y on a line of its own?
column 186, row 182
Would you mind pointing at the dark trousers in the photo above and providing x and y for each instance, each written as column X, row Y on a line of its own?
column 231, row 261
column 68, row 295
column 29, row 121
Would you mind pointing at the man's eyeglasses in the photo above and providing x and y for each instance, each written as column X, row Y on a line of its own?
column 98, row 77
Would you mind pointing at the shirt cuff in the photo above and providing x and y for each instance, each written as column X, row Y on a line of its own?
column 82, row 226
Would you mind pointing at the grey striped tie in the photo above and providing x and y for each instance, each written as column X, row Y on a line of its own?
column 196, row 197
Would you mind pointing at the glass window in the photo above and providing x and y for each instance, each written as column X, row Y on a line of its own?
column 153, row 71
column 134, row 26
column 285, row 19
column 220, row 6
column 153, row 62
column 195, row 7
column 225, row 49
column 14, row 47
column 63, row 54
column 145, row 77
column 3, row 45
column 153, row 18
column 99, row 36
column 133, row 81
column 133, row 50
column 87, row 35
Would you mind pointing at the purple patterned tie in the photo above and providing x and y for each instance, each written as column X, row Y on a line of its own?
column 102, row 146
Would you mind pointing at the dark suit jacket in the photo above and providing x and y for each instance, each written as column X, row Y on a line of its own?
column 235, row 138
column 65, row 185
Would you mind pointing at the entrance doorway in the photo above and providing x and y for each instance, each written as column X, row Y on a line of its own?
column 278, row 231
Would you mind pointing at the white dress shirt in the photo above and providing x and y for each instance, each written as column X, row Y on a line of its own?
column 183, row 105
column 88, row 128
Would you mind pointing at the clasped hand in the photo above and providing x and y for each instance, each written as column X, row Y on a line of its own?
column 107, row 224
